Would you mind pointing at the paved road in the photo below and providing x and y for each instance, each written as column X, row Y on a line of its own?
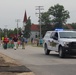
column 40, row 64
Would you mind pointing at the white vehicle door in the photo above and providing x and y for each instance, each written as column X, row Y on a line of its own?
column 49, row 44
column 49, row 40
column 55, row 42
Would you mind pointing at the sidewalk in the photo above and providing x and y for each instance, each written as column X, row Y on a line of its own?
column 9, row 66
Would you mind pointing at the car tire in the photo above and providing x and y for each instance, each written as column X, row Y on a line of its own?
column 46, row 50
column 61, row 52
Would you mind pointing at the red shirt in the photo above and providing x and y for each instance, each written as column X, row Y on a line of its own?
column 5, row 40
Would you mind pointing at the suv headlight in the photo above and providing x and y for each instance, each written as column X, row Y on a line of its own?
column 66, row 44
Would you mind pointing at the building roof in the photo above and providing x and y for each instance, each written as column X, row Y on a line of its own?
column 34, row 27
column 69, row 26
column 25, row 17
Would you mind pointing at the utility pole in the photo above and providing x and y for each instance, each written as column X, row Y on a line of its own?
column 39, row 8
column 17, row 20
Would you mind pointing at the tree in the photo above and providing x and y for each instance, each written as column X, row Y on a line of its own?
column 15, row 31
column 55, row 17
column 73, row 25
column 60, row 15
column 19, row 31
column 0, row 33
column 46, row 23
column 27, row 30
column 10, row 32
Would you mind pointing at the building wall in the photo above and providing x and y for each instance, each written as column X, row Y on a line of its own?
column 33, row 34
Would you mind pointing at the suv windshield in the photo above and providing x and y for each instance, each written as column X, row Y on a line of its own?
column 67, row 34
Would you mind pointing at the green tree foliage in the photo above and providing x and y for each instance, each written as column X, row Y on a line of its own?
column 60, row 15
column 46, row 23
column 10, row 32
column 15, row 31
column 73, row 25
column 27, row 30
column 1, row 33
column 19, row 31
column 65, row 27
column 55, row 17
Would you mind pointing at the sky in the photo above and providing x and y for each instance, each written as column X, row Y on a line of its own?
column 11, row 10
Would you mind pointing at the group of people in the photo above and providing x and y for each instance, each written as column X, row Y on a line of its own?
column 14, row 42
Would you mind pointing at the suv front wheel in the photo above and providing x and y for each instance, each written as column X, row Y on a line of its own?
column 61, row 52
column 46, row 50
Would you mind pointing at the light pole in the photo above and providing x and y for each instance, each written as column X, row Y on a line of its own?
column 17, row 20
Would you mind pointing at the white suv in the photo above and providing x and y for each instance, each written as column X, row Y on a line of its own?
column 60, row 41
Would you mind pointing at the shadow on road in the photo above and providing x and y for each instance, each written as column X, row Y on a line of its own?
column 56, row 56
column 66, row 57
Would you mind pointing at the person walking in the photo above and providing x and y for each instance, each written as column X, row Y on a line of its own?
column 5, row 41
column 15, row 39
column 23, row 42
column 31, row 40
column 41, row 41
